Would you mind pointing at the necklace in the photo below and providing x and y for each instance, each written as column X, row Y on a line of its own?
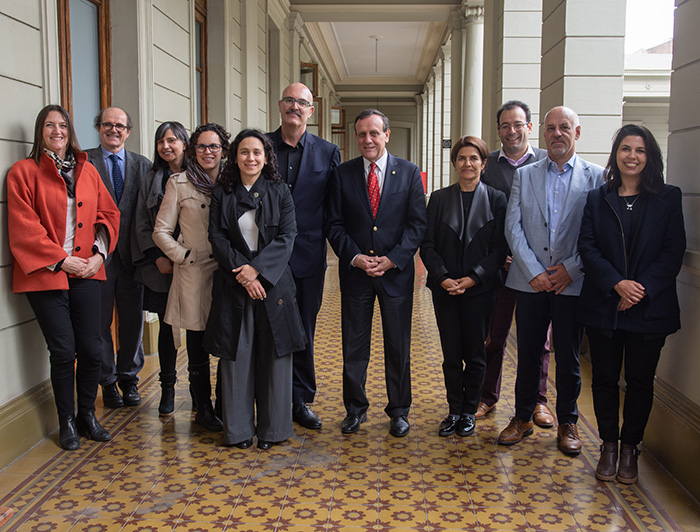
column 630, row 205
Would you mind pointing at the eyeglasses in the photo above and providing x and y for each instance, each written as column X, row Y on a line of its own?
column 109, row 125
column 518, row 126
column 289, row 101
column 202, row 148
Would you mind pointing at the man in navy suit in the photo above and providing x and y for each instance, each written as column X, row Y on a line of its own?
column 306, row 163
column 377, row 219
column 121, row 172
column 542, row 226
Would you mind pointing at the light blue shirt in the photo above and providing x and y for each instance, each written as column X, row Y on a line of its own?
column 107, row 156
column 557, row 190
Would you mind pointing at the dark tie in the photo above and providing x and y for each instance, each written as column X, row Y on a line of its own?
column 373, row 189
column 117, row 177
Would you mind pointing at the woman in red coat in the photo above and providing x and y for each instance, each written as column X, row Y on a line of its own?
column 62, row 223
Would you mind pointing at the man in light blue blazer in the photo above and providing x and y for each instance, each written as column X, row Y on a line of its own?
column 542, row 226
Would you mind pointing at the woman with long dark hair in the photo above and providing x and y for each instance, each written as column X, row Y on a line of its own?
column 463, row 250
column 254, row 325
column 631, row 243
column 62, row 224
column 153, row 268
column 180, row 231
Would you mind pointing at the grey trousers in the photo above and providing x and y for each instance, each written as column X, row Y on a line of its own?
column 257, row 379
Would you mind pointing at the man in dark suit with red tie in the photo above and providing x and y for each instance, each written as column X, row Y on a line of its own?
column 306, row 163
column 376, row 221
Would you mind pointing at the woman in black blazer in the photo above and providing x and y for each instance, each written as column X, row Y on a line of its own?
column 632, row 242
column 463, row 250
column 254, row 323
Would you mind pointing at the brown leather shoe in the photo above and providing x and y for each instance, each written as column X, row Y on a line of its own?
column 543, row 417
column 568, row 440
column 483, row 409
column 515, row 431
column 607, row 465
column 627, row 470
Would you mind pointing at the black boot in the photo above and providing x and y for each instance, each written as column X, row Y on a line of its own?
column 201, row 385
column 88, row 425
column 67, row 433
column 167, row 394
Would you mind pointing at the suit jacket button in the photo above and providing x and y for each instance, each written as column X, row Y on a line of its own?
column 374, row 228
column 371, row 252
column 80, row 224
column 211, row 255
column 77, row 248
column 80, row 204
column 204, row 206
column 280, row 301
column 546, row 249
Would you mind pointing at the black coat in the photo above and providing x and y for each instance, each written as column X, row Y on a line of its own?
column 654, row 261
column 275, row 219
column 442, row 250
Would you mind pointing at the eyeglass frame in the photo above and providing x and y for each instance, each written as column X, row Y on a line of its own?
column 301, row 102
column 517, row 126
column 111, row 125
column 213, row 148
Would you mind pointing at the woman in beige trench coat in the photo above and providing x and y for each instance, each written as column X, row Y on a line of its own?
column 181, row 231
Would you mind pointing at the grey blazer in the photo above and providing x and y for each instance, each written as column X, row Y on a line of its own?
column 135, row 167
column 526, row 224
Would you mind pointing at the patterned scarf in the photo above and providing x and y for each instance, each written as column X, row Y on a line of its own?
column 200, row 179
column 64, row 167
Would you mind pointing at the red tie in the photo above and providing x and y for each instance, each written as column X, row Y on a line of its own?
column 373, row 189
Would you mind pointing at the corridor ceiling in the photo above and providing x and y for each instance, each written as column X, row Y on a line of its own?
column 382, row 50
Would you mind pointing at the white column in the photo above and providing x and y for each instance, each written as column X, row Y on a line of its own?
column 582, row 68
column 447, row 96
column 473, row 70
column 437, row 127
column 249, row 51
column 294, row 26
column 456, row 24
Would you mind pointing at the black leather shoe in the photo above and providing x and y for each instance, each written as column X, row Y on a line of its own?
column 206, row 417
column 131, row 393
column 245, row 444
column 465, row 425
column 351, row 423
column 88, row 425
column 265, row 445
column 68, row 433
column 448, row 425
column 111, row 397
column 302, row 414
column 399, row 426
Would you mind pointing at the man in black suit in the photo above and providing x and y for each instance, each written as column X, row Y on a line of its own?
column 121, row 172
column 377, row 219
column 306, row 163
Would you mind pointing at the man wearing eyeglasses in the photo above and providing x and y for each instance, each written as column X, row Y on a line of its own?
column 305, row 162
column 514, row 127
column 122, row 172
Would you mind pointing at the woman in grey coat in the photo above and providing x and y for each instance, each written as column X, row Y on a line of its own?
column 153, row 268
column 254, row 323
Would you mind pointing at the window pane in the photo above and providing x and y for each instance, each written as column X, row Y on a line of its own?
column 85, row 66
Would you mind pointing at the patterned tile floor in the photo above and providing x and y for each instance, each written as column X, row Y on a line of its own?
column 167, row 474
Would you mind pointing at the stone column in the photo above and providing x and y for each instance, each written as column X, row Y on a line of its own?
column 513, row 46
column 294, row 27
column 437, row 127
column 582, row 68
column 456, row 24
column 473, row 69
column 447, row 97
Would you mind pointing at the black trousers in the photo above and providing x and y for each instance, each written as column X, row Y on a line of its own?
column 640, row 357
column 309, row 297
column 356, row 315
column 463, row 326
column 70, row 322
column 533, row 313
column 121, row 288
column 167, row 352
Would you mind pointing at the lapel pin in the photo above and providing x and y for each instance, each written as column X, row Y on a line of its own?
column 255, row 194
column 393, row 171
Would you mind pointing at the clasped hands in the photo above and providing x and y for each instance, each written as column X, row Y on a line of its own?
column 83, row 268
column 247, row 276
column 456, row 287
column 631, row 293
column 373, row 266
column 555, row 279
